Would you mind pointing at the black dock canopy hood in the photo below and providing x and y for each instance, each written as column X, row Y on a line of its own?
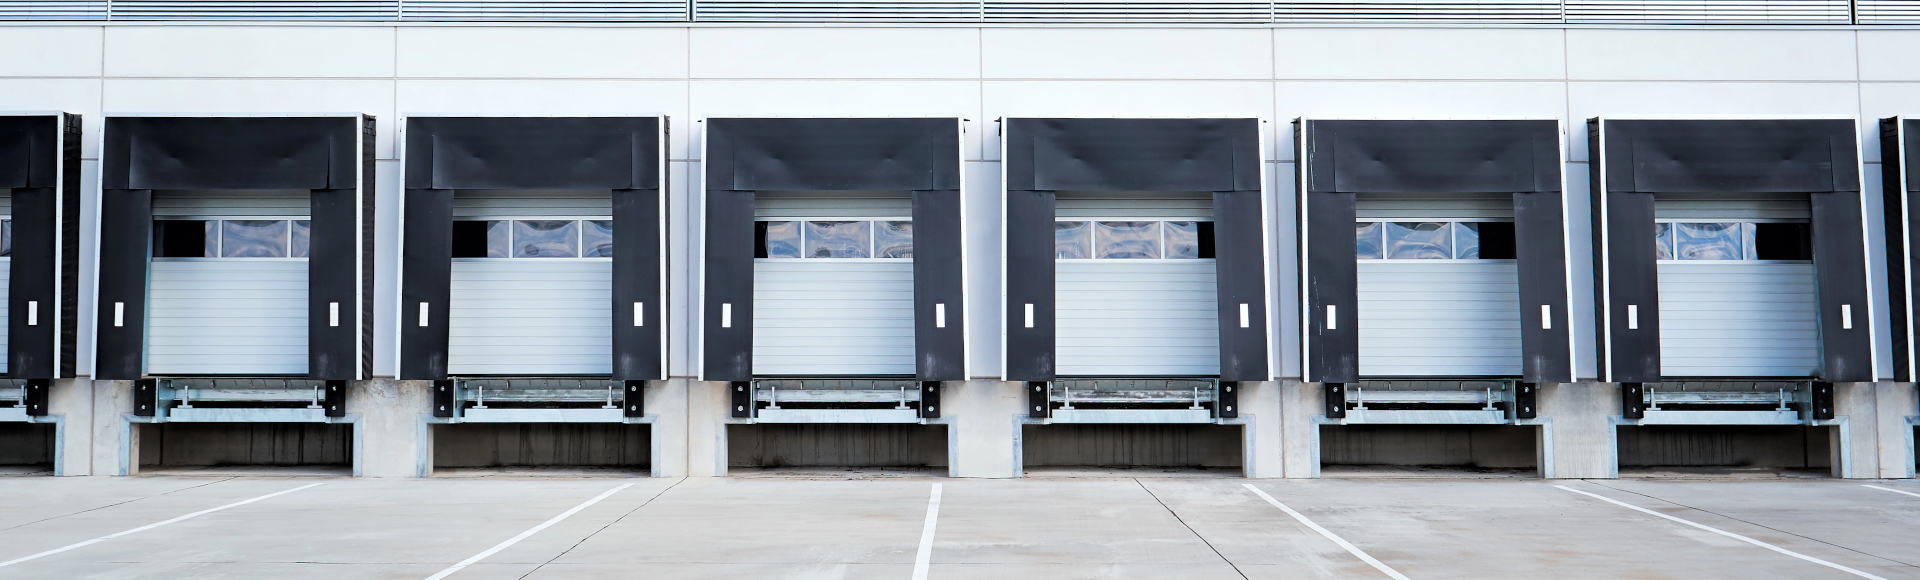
column 1214, row 157
column 1897, row 166
column 1636, row 159
column 745, row 155
column 330, row 156
column 623, row 154
column 40, row 162
column 1342, row 158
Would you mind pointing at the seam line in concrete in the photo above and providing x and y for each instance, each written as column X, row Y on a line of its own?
column 1350, row 548
column 1183, row 522
column 524, row 535
column 1755, row 524
column 119, row 503
column 1724, row 533
column 152, row 526
column 923, row 559
column 622, row 517
column 1892, row 490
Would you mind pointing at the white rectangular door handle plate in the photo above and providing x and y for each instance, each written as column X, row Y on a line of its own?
column 1333, row 318
column 33, row 313
column 333, row 314
column 423, row 314
column 119, row 314
column 940, row 315
column 726, row 315
column 1846, row 316
column 1243, row 315
column 1029, row 315
column 1633, row 317
column 1546, row 317
column 639, row 315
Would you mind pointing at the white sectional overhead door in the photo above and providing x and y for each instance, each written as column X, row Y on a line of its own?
column 1729, row 305
column 540, row 301
column 833, row 286
column 239, row 305
column 1430, row 304
column 1134, row 296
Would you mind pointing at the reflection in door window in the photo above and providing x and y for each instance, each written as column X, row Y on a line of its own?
column 1367, row 241
column 596, row 238
column 545, row 239
column 1126, row 240
column 1072, row 240
column 1708, row 241
column 893, row 239
column 253, row 239
column 302, row 238
column 1183, row 240
column 1418, row 240
column 839, row 239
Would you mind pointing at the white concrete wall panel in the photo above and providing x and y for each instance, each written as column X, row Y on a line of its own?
column 1711, row 55
column 1887, row 55
column 529, row 52
column 245, row 51
column 1419, row 54
column 827, row 53
column 50, row 51
column 1126, row 53
column 44, row 94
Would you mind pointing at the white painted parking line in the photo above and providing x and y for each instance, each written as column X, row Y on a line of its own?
column 1892, row 490
column 924, row 558
column 1351, row 549
column 524, row 535
column 1725, row 533
column 150, row 526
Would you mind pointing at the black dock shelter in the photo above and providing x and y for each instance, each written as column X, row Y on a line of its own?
column 299, row 190
column 1659, row 186
column 1133, row 247
column 40, row 172
column 832, row 250
column 1897, row 168
column 1507, row 169
column 551, row 181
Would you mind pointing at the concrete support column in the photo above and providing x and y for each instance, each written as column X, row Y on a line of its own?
column 1859, row 436
column 116, row 444
column 1577, row 440
column 70, row 403
column 391, row 438
column 1898, row 406
column 707, row 415
column 983, row 426
column 1301, row 406
column 666, row 403
column 1264, row 454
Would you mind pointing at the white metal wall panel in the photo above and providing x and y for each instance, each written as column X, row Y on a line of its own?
column 1424, row 11
column 1136, row 318
column 53, row 10
column 235, row 204
column 1709, row 11
column 1439, row 318
column 548, row 10
column 242, row 316
column 531, row 316
column 1734, row 318
column 832, row 317
column 576, row 204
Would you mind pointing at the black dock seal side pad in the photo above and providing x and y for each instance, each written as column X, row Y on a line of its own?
column 1217, row 158
column 33, row 157
column 1818, row 157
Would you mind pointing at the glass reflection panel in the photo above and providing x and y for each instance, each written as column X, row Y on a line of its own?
column 783, row 239
column 1366, row 240
column 596, row 238
column 1072, row 240
column 893, row 239
column 545, row 239
column 498, row 239
column 1418, row 240
column 1183, row 240
column 6, row 238
column 839, row 239
column 1466, row 241
column 1126, row 240
column 302, row 238
column 253, row 239
column 1663, row 241
column 1709, row 241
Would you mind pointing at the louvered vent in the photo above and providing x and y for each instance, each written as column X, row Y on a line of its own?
column 1101, row 11
column 1418, row 11
column 496, row 10
column 267, row 10
column 56, row 10
column 1888, row 11
column 1709, row 11
column 831, row 11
